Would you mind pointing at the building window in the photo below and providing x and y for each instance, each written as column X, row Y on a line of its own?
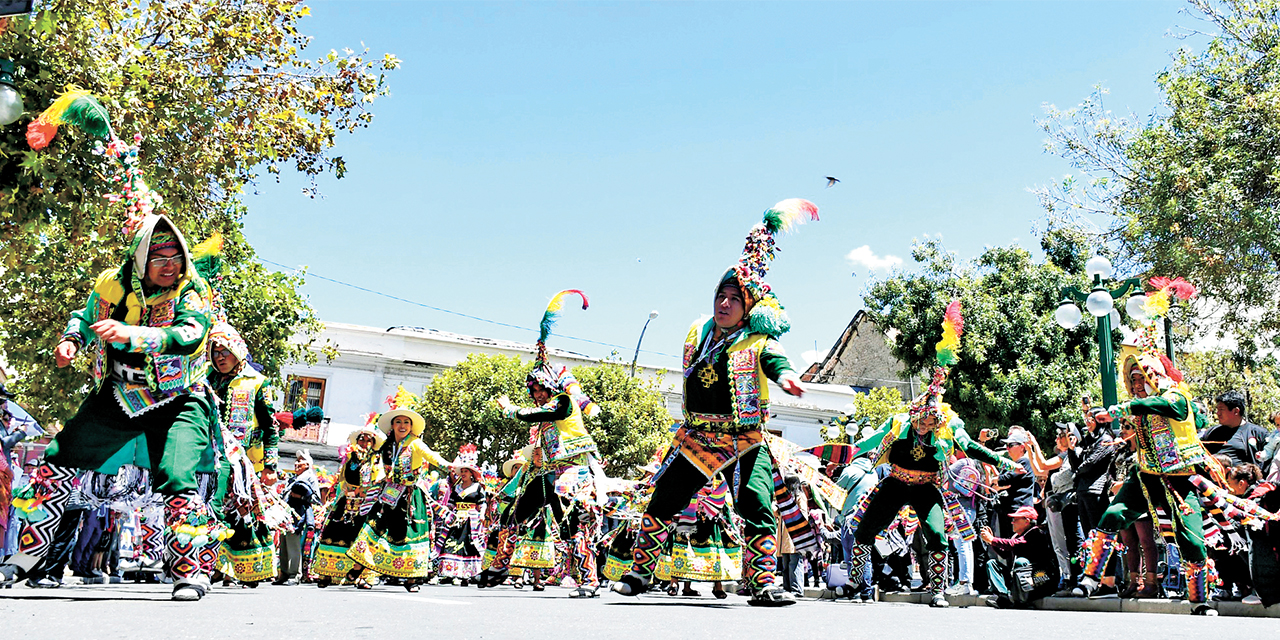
column 305, row 392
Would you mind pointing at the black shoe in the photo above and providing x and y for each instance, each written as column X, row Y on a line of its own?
column 9, row 574
column 629, row 585
column 772, row 596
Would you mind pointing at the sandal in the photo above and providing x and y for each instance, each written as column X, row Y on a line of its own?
column 324, row 582
column 363, row 584
column 690, row 591
column 538, row 586
column 772, row 596
column 585, row 592
column 412, row 586
column 719, row 594
column 672, row 590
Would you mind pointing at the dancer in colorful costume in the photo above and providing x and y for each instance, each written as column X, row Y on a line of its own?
column 460, row 553
column 398, row 538
column 559, row 485
column 728, row 361
column 251, row 437
column 146, row 321
column 358, row 475
column 918, row 445
column 1169, row 479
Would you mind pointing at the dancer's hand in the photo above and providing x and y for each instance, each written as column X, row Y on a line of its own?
column 504, row 403
column 65, row 353
column 111, row 331
column 791, row 384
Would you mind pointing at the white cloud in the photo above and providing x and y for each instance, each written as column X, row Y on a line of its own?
column 868, row 260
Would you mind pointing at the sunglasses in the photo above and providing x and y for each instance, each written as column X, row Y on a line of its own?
column 162, row 262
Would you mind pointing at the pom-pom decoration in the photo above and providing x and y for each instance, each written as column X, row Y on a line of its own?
column 761, row 243
column 768, row 317
column 402, row 399
column 952, row 328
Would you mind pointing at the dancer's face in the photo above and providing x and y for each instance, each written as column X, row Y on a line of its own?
column 926, row 423
column 729, row 307
column 223, row 360
column 539, row 394
column 401, row 426
column 1137, row 383
column 164, row 266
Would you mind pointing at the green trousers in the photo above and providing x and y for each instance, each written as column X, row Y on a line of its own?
column 1130, row 503
column 170, row 440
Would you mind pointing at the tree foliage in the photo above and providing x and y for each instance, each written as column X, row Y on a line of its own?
column 459, row 407
column 1194, row 190
column 1016, row 365
column 221, row 91
column 870, row 410
column 1210, row 373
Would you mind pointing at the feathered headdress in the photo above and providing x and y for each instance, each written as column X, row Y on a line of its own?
column 948, row 353
column 549, row 320
column 557, row 379
column 765, row 314
column 1153, row 361
column 76, row 107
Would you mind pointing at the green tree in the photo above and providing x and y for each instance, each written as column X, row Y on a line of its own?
column 221, row 91
column 1193, row 190
column 633, row 421
column 1210, row 373
column 870, row 409
column 459, row 407
column 1016, row 365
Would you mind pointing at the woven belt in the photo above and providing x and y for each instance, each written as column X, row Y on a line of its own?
column 911, row 476
column 716, row 423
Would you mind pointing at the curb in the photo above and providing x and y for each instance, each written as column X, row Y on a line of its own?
column 1113, row 605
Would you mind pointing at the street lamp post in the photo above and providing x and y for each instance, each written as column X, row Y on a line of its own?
column 1100, row 302
column 652, row 314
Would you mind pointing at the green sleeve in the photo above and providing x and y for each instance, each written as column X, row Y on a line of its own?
column 558, row 408
column 191, row 323
column 871, row 442
column 1170, row 405
column 977, row 451
column 78, row 330
column 773, row 360
column 270, row 429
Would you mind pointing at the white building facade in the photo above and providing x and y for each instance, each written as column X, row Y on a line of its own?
column 373, row 362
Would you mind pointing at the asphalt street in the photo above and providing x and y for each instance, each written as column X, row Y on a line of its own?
column 145, row 611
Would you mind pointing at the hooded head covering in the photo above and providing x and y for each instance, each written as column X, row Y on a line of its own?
column 764, row 313
column 225, row 336
column 557, row 379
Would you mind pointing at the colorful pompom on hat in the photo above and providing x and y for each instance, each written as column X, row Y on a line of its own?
column 1154, row 363
column 764, row 313
column 468, row 458
column 557, row 379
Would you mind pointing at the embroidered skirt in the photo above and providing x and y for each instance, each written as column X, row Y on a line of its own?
column 397, row 539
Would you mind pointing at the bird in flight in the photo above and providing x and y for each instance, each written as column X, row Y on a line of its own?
column 831, row 182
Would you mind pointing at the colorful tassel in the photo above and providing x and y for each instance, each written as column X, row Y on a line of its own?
column 768, row 317
column 952, row 328
column 549, row 320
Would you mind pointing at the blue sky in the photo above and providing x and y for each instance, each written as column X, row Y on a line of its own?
column 626, row 148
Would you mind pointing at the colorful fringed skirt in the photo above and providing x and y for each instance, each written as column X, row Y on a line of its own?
column 334, row 540
column 251, row 551
column 617, row 561
column 536, row 546
column 396, row 540
column 710, row 554
column 459, row 555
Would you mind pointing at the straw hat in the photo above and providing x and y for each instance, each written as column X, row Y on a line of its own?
column 419, row 423
column 520, row 459
column 378, row 436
